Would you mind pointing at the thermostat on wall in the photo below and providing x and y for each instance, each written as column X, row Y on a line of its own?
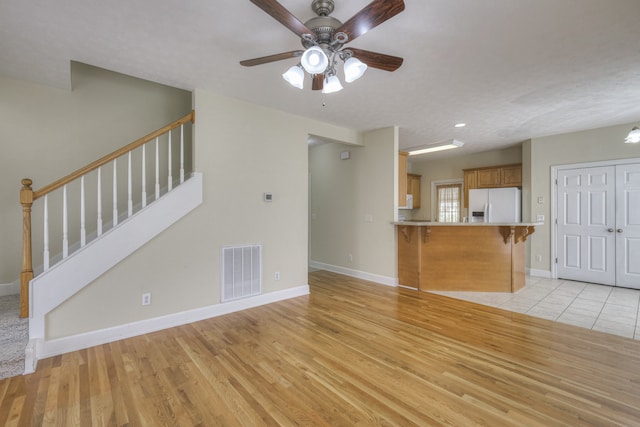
column 268, row 197
column 345, row 155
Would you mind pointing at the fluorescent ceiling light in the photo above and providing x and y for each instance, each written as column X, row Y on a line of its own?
column 445, row 145
column 459, row 125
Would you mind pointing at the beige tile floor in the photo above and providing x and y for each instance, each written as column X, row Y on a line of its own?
column 598, row 307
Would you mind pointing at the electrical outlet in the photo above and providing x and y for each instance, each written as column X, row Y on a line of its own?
column 146, row 298
column 368, row 218
column 277, row 275
column 350, row 258
column 539, row 218
column 539, row 258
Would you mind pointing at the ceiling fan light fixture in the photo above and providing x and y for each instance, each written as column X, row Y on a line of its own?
column 332, row 84
column 295, row 76
column 353, row 69
column 634, row 136
column 314, row 60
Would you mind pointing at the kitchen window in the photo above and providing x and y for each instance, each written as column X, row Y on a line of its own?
column 449, row 202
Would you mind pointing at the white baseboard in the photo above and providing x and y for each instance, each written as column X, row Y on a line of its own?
column 388, row 281
column 89, row 339
column 9, row 288
column 538, row 273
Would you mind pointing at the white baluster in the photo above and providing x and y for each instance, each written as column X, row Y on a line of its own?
column 65, row 230
column 144, row 176
column 115, row 192
column 169, row 177
column 45, row 254
column 157, row 171
column 129, row 191
column 99, row 220
column 181, row 154
column 83, row 226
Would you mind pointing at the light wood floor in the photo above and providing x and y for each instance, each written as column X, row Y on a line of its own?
column 350, row 354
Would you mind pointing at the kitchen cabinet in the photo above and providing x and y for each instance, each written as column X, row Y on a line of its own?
column 413, row 188
column 402, row 178
column 491, row 177
column 470, row 182
column 478, row 257
column 511, row 176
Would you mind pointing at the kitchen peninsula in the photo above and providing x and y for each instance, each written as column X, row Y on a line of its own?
column 486, row 257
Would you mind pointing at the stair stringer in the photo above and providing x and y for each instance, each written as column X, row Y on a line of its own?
column 56, row 285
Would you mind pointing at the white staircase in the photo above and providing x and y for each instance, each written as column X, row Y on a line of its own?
column 77, row 265
column 60, row 282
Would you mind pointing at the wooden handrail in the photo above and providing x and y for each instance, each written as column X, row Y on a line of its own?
column 28, row 196
column 191, row 117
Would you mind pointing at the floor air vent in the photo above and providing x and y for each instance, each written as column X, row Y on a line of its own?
column 241, row 272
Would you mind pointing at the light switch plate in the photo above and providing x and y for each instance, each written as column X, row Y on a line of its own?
column 539, row 218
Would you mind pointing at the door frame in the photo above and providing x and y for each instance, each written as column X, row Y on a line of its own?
column 554, row 195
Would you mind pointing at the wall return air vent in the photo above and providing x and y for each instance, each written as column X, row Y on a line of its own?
column 241, row 272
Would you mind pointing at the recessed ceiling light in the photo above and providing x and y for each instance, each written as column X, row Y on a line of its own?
column 460, row 125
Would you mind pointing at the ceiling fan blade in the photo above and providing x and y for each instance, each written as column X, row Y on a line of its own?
column 271, row 58
column 283, row 16
column 377, row 60
column 374, row 14
column 318, row 82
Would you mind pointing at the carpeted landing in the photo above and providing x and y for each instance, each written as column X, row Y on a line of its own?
column 14, row 336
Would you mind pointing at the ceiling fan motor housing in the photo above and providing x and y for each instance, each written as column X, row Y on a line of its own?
column 323, row 27
column 322, row 7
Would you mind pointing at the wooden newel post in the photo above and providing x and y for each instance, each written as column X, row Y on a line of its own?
column 26, row 200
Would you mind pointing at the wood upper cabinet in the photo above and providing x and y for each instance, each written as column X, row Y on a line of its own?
column 413, row 188
column 470, row 182
column 402, row 178
column 511, row 176
column 491, row 177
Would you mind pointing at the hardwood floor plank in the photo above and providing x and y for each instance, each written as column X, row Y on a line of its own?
column 351, row 353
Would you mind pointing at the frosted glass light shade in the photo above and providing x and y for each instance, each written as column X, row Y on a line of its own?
column 332, row 85
column 633, row 137
column 314, row 60
column 295, row 76
column 353, row 69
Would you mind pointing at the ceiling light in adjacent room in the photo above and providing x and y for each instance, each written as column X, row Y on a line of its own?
column 459, row 125
column 634, row 136
column 440, row 146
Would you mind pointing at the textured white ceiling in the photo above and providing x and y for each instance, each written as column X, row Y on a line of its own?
column 510, row 69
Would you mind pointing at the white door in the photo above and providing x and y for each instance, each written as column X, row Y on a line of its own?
column 628, row 225
column 586, row 225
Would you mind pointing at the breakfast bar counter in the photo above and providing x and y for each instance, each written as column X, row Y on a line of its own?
column 486, row 257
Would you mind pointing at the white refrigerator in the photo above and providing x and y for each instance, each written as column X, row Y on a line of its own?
column 495, row 205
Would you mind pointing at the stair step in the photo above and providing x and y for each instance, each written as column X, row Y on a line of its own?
column 14, row 336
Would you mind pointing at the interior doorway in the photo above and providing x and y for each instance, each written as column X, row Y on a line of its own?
column 598, row 223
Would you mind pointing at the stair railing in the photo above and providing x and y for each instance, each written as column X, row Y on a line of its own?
column 28, row 196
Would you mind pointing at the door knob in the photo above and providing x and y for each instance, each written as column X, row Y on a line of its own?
column 619, row 230
column 610, row 230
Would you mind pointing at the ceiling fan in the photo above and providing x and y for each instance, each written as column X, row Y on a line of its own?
column 324, row 37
